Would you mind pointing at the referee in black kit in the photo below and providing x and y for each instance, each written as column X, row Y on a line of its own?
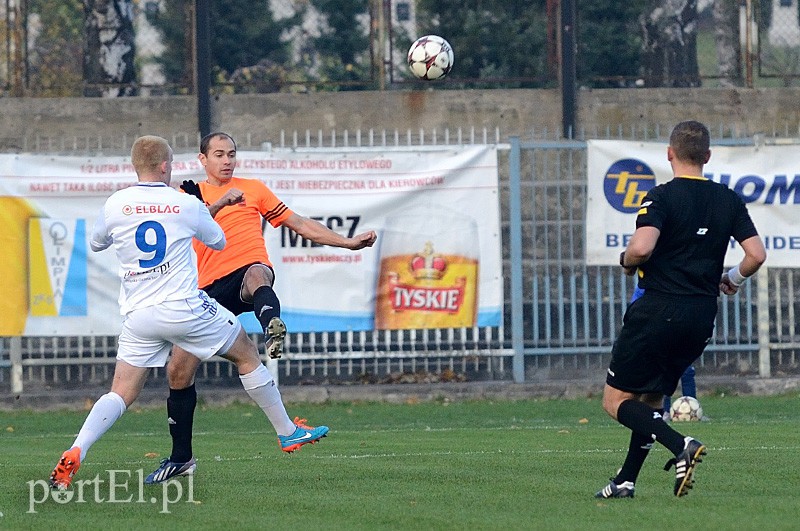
column 683, row 229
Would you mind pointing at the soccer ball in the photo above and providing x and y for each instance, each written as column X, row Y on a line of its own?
column 685, row 408
column 430, row 57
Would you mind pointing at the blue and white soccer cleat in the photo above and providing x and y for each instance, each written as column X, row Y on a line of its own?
column 168, row 470
column 304, row 434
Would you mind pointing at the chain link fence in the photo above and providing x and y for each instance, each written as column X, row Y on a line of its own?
column 52, row 48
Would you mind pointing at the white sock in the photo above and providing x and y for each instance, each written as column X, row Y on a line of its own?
column 261, row 387
column 103, row 415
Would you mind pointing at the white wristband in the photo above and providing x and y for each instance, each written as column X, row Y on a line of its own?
column 736, row 278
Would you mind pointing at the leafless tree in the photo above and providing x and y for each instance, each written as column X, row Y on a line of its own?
column 726, row 36
column 669, row 29
column 109, row 49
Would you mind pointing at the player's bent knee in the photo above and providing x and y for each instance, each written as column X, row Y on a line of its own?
column 180, row 375
column 243, row 353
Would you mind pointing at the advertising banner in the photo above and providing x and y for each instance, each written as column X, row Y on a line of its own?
column 436, row 264
column 620, row 173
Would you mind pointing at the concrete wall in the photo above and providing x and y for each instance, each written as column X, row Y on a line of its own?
column 109, row 125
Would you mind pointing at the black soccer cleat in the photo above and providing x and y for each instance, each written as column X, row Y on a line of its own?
column 685, row 464
column 612, row 490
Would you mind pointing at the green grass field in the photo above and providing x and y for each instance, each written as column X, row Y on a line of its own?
column 461, row 465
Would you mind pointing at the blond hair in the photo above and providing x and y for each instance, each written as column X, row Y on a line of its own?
column 148, row 153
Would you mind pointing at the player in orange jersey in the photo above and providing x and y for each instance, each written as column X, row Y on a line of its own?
column 240, row 278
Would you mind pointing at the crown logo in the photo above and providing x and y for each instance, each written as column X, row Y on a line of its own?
column 428, row 265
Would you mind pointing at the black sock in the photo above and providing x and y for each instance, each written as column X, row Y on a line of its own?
column 180, row 410
column 637, row 452
column 647, row 421
column 266, row 305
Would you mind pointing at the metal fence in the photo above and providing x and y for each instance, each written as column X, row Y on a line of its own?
column 52, row 48
column 560, row 315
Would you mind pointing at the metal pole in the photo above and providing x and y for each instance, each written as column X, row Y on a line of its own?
column 203, row 66
column 381, row 45
column 748, row 40
column 15, row 355
column 8, row 45
column 515, row 231
column 762, row 316
column 568, row 82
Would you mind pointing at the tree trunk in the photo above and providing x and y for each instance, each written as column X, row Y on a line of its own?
column 726, row 36
column 110, row 49
column 669, row 30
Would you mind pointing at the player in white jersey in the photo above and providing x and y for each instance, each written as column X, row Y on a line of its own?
column 151, row 227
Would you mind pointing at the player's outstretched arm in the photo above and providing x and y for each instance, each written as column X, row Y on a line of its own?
column 315, row 231
column 754, row 256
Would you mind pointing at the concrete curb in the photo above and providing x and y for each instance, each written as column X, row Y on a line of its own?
column 82, row 399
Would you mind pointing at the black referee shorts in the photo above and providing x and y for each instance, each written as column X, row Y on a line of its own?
column 228, row 290
column 661, row 336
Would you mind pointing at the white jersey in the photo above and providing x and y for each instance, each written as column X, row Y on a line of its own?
column 151, row 227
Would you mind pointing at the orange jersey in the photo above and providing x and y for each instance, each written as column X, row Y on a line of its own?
column 242, row 226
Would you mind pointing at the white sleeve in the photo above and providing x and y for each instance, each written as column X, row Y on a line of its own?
column 208, row 231
column 100, row 237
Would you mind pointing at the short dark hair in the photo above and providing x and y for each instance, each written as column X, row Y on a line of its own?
column 210, row 136
column 690, row 141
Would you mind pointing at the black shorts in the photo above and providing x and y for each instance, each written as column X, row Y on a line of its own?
column 660, row 337
column 228, row 290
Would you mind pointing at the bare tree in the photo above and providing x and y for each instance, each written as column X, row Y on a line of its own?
column 110, row 49
column 669, row 29
column 726, row 35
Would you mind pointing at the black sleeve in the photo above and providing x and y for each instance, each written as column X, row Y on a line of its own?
column 743, row 226
column 653, row 210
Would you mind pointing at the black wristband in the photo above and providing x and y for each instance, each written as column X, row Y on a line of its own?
column 622, row 258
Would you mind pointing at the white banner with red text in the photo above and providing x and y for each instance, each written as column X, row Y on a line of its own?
column 620, row 173
column 436, row 264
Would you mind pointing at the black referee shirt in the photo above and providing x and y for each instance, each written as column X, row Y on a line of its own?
column 697, row 218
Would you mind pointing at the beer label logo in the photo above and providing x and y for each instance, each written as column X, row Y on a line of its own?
column 426, row 296
column 424, row 288
column 626, row 183
column 58, row 268
column 428, row 264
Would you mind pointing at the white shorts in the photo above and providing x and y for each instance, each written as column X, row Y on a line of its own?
column 198, row 325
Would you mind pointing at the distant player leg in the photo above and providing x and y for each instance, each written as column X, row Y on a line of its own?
column 688, row 384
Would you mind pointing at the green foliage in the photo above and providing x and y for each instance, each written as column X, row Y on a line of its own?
column 344, row 43
column 609, row 41
column 242, row 35
column 56, row 67
column 174, row 23
column 490, row 38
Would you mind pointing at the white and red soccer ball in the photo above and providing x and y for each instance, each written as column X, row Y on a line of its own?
column 430, row 57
